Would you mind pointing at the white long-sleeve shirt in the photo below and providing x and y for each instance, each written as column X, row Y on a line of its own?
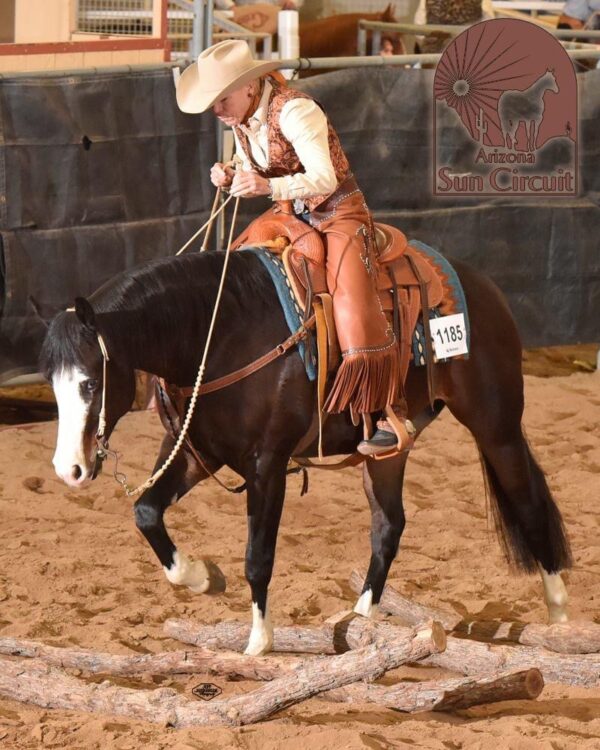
column 304, row 124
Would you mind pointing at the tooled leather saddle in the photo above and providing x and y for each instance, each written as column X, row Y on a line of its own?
column 407, row 282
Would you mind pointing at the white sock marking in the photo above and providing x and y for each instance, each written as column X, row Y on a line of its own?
column 190, row 573
column 556, row 596
column 364, row 606
column 261, row 635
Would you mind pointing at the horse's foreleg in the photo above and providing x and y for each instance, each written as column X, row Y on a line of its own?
column 382, row 481
column 266, row 491
column 179, row 478
column 534, row 135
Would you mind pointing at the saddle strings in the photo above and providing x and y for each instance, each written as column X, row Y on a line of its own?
column 191, row 406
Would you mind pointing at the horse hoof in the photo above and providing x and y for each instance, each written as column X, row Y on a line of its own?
column 217, row 583
column 559, row 616
column 258, row 646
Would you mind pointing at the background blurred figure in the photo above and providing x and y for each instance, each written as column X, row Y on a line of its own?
column 451, row 12
column 580, row 14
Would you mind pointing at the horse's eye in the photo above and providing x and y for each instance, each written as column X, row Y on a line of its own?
column 90, row 385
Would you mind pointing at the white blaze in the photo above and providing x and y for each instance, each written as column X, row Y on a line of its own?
column 72, row 417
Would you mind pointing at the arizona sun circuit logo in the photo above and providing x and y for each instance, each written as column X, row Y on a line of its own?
column 505, row 113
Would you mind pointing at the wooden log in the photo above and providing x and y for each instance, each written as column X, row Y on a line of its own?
column 39, row 683
column 197, row 661
column 410, row 612
column 463, row 656
column 444, row 695
column 575, row 637
column 339, row 634
column 472, row 658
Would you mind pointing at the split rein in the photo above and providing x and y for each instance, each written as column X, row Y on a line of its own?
column 103, row 450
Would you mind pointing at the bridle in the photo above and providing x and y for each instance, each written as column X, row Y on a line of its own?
column 102, row 447
column 199, row 388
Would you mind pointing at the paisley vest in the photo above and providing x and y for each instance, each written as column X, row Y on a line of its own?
column 283, row 160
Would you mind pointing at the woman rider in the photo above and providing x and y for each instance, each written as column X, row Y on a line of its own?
column 290, row 151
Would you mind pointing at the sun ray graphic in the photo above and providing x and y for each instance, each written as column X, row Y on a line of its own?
column 475, row 70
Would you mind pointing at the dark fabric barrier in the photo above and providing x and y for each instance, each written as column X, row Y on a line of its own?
column 97, row 174
column 100, row 172
column 46, row 269
column 98, row 149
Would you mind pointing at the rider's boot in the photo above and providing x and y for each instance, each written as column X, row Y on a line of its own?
column 394, row 433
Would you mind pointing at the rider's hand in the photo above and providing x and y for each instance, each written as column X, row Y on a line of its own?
column 221, row 175
column 249, row 185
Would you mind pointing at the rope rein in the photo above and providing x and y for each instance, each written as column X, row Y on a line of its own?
column 130, row 491
column 103, row 450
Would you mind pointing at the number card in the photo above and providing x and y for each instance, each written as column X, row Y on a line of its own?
column 449, row 335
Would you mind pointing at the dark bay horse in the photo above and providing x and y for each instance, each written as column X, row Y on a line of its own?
column 155, row 319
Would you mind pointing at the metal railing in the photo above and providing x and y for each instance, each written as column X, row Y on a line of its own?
column 377, row 27
column 191, row 29
column 298, row 63
column 127, row 17
column 190, row 24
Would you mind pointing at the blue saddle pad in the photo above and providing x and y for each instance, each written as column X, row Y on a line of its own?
column 293, row 314
column 454, row 299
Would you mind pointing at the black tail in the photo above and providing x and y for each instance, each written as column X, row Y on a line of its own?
column 527, row 520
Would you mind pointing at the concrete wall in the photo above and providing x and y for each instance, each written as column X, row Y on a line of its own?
column 7, row 21
column 44, row 20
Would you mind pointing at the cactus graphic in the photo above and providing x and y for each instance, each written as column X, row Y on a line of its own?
column 481, row 125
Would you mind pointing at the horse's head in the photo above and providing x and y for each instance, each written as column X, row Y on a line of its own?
column 551, row 80
column 72, row 361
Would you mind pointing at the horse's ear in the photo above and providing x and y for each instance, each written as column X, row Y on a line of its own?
column 85, row 313
column 388, row 13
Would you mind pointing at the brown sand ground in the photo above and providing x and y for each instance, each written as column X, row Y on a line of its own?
column 74, row 571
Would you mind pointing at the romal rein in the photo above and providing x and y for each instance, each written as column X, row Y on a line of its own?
column 101, row 441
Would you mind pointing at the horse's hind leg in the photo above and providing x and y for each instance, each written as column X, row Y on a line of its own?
column 382, row 481
column 181, row 476
column 527, row 517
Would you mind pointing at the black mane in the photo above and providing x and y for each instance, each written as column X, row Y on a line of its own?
column 64, row 342
column 173, row 296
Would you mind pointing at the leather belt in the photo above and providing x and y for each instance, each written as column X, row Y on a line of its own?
column 347, row 187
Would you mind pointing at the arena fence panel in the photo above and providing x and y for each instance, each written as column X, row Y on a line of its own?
column 97, row 173
column 101, row 172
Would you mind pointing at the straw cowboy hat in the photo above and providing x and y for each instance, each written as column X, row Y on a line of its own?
column 220, row 69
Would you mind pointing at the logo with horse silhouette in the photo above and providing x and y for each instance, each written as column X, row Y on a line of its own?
column 505, row 113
